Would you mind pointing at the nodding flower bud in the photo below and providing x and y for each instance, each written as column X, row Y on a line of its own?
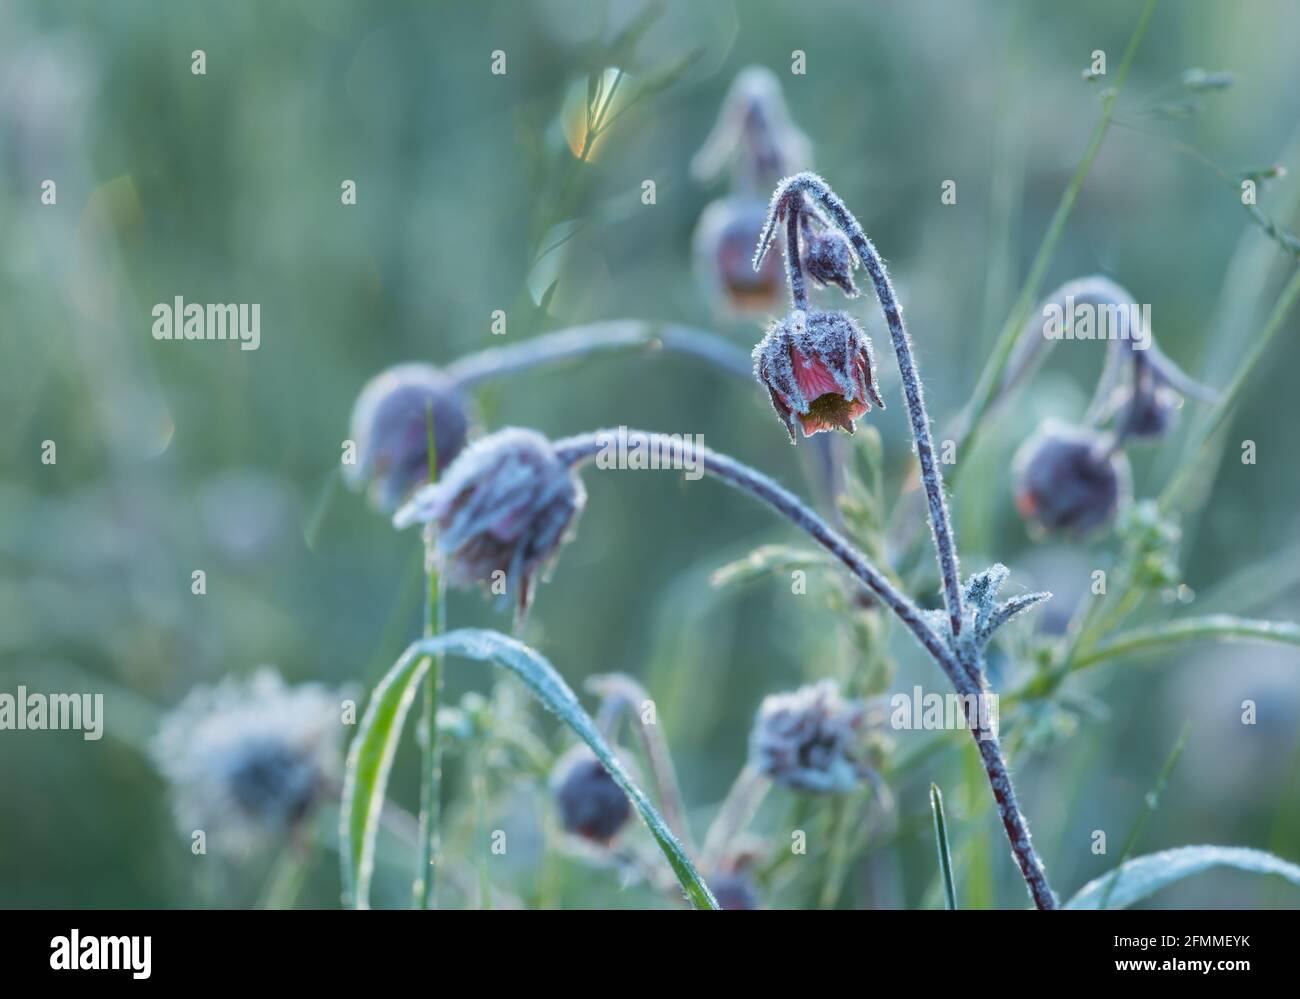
column 590, row 802
column 828, row 259
column 723, row 248
column 499, row 513
column 810, row 739
column 390, row 427
column 818, row 369
column 734, row 891
column 1069, row 479
column 248, row 759
column 1146, row 413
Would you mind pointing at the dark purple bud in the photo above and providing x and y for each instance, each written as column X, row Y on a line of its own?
column 590, row 802
column 818, row 369
column 828, row 259
column 1147, row 414
column 499, row 513
column 734, row 891
column 1070, row 479
column 810, row 739
column 724, row 249
column 390, row 427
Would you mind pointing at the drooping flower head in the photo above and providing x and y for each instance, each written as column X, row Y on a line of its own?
column 390, row 427
column 248, row 760
column 810, row 739
column 500, row 512
column 754, row 133
column 589, row 800
column 1070, row 479
column 818, row 370
column 723, row 247
column 827, row 256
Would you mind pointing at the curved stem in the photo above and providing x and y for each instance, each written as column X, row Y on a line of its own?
column 792, row 190
column 612, row 336
column 577, row 450
column 794, row 269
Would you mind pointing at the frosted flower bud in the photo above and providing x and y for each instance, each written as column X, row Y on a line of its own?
column 248, row 760
column 818, row 369
column 499, row 513
column 828, row 259
column 590, row 802
column 723, row 251
column 1069, row 479
column 390, row 426
column 810, row 739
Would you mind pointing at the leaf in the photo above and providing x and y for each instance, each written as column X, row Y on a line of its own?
column 1219, row 627
column 370, row 758
column 1144, row 876
column 941, row 840
column 767, row 559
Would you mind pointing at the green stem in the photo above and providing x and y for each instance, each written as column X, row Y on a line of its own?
column 945, row 854
column 426, row 878
column 1228, row 399
column 1213, row 626
column 991, row 377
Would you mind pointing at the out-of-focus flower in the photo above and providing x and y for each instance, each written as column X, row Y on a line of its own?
column 810, row 739
column 734, row 891
column 1070, row 479
column 818, row 369
column 590, row 802
column 723, row 250
column 248, row 759
column 754, row 133
column 390, row 427
column 505, row 505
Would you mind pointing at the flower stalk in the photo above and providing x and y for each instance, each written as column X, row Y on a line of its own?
column 574, row 451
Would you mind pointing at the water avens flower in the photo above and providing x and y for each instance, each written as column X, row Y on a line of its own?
column 1070, row 479
column 809, row 739
column 590, row 803
column 818, row 370
column 723, row 248
column 499, row 513
column 248, row 759
column 390, row 427
column 754, row 133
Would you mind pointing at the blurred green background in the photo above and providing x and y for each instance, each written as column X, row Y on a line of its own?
column 181, row 456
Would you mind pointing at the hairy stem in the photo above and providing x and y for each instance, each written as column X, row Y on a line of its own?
column 603, row 337
column 793, row 189
column 575, row 451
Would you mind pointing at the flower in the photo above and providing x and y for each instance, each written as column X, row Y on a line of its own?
column 754, row 133
column 817, row 366
column 499, row 513
column 591, row 803
column 1069, row 479
column 809, row 739
column 249, row 759
column 1147, row 413
column 723, row 248
column 734, row 891
column 390, row 427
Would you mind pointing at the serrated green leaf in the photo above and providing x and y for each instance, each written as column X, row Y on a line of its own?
column 371, row 754
column 1142, row 877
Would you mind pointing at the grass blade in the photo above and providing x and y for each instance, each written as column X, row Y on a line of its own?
column 945, row 855
column 1142, row 877
column 370, row 757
